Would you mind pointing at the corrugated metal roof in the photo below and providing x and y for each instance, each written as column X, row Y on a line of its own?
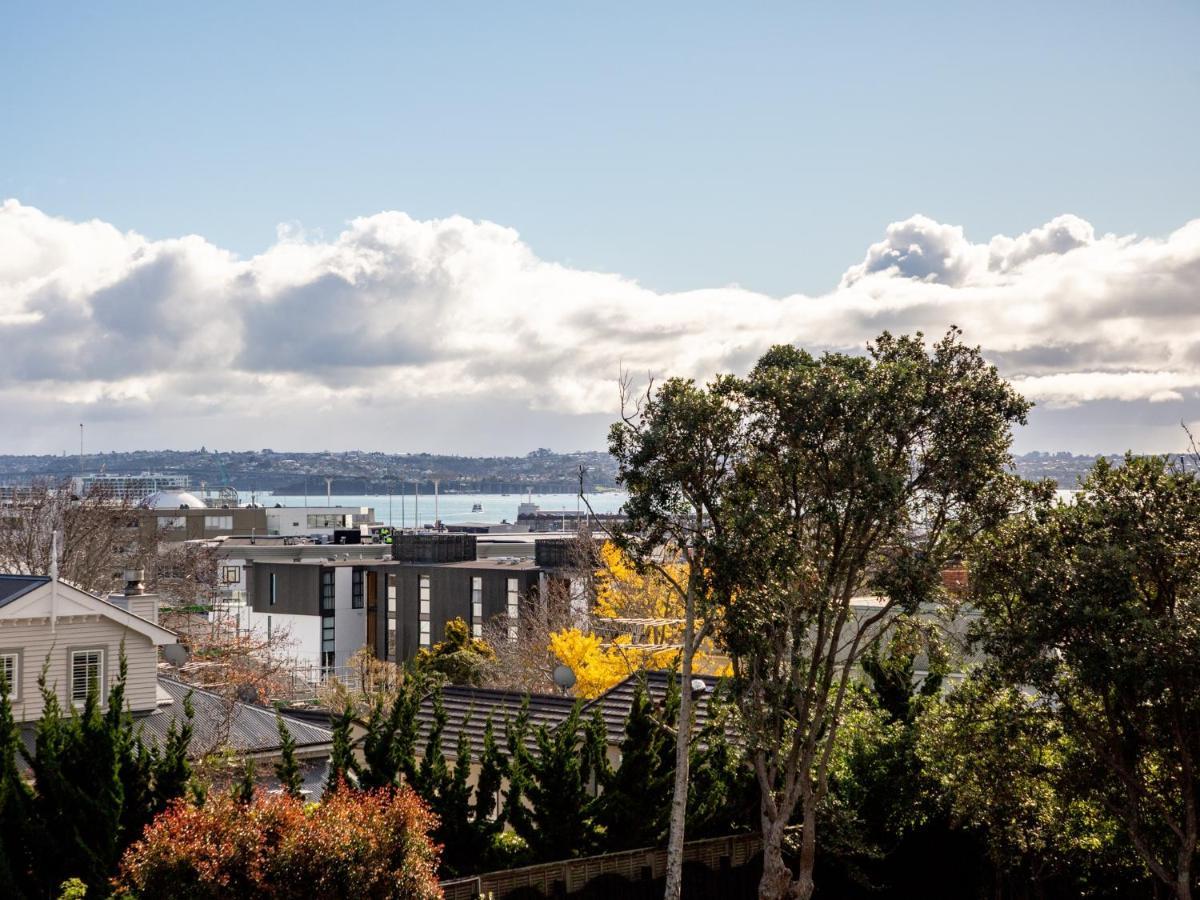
column 217, row 722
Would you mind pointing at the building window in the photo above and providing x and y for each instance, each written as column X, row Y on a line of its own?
column 513, row 609
column 356, row 589
column 423, row 611
column 231, row 574
column 328, row 520
column 477, row 606
column 87, row 673
column 171, row 523
column 10, row 668
column 218, row 523
column 328, row 647
column 391, row 617
column 272, row 595
column 327, row 594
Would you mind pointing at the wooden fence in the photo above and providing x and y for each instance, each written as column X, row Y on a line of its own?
column 712, row 865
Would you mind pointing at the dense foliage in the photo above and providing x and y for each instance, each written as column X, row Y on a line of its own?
column 95, row 785
column 1096, row 606
column 353, row 844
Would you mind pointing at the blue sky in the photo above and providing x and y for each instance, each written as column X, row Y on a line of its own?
column 684, row 145
column 448, row 226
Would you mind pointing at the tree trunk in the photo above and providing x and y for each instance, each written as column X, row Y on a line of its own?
column 776, row 883
column 683, row 743
column 808, row 851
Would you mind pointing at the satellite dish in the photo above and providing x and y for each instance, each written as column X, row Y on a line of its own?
column 564, row 677
column 175, row 654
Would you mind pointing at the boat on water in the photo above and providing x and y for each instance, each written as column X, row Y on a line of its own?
column 478, row 507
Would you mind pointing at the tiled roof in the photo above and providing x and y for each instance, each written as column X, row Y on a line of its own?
column 468, row 708
column 14, row 586
column 615, row 703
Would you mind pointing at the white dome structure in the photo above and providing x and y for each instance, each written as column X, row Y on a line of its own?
column 173, row 500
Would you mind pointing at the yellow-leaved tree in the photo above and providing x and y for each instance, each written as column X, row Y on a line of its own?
column 637, row 623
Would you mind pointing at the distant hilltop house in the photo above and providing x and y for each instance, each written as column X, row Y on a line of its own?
column 78, row 638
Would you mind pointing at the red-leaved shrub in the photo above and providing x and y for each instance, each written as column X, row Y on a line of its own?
column 368, row 844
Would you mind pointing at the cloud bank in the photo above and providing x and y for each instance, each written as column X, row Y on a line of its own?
column 399, row 318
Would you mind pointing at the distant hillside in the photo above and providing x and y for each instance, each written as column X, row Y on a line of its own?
column 353, row 471
column 358, row 472
column 1066, row 469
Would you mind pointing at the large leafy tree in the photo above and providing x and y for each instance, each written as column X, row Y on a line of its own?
column 674, row 451
column 858, row 477
column 1096, row 605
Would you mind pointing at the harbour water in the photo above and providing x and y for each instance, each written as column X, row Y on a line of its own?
column 402, row 510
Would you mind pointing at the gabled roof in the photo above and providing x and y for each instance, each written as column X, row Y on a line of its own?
column 29, row 596
column 14, row 586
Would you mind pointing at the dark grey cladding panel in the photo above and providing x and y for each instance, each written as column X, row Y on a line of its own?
column 433, row 548
column 297, row 588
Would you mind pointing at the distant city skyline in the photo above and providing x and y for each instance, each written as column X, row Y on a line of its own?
column 449, row 229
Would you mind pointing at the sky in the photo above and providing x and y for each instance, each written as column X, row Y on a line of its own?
column 449, row 227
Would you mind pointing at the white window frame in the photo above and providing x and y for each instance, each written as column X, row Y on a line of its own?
column 12, row 659
column 102, row 653
column 477, row 606
column 219, row 523
column 424, row 609
column 513, row 609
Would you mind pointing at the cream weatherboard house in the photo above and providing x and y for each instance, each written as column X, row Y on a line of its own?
column 78, row 638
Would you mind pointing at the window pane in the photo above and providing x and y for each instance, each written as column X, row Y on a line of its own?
column 85, row 673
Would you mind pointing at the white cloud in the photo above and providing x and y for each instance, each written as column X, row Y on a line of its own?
column 395, row 311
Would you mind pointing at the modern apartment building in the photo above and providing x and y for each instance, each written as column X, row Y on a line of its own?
column 331, row 607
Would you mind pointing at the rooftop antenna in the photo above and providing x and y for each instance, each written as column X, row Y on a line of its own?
column 81, row 457
column 328, row 491
column 416, row 504
column 437, row 522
